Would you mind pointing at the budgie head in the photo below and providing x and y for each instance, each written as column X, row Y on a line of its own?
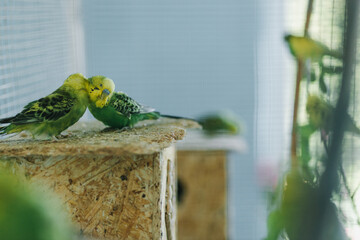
column 100, row 90
column 77, row 81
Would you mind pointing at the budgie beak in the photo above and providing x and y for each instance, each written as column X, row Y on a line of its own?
column 103, row 98
column 105, row 93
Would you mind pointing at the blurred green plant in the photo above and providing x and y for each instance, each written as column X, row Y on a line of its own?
column 320, row 119
column 304, row 207
column 298, row 213
column 28, row 213
column 321, row 115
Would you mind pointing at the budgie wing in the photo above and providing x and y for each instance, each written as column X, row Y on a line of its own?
column 125, row 105
column 49, row 108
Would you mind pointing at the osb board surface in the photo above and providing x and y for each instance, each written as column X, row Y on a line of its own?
column 87, row 138
column 202, row 209
column 121, row 197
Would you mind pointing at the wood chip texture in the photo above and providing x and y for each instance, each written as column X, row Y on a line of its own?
column 90, row 138
column 114, row 184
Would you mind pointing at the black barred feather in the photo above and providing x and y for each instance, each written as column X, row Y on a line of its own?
column 49, row 108
column 6, row 120
column 2, row 130
column 123, row 111
column 176, row 117
column 126, row 105
column 50, row 115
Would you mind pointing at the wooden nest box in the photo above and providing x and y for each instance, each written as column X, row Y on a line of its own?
column 203, row 179
column 115, row 185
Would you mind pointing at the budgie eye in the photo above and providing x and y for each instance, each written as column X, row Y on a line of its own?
column 100, row 85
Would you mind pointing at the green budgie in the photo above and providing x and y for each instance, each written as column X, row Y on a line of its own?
column 305, row 47
column 49, row 116
column 120, row 111
column 321, row 115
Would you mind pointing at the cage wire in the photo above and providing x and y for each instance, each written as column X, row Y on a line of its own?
column 41, row 43
column 351, row 155
column 327, row 26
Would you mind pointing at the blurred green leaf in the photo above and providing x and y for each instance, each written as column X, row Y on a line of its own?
column 301, row 215
column 275, row 225
column 313, row 76
column 305, row 133
column 27, row 213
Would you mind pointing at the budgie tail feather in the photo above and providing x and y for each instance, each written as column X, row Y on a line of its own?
column 177, row 117
column 2, row 130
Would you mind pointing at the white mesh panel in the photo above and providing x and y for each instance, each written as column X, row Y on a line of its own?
column 41, row 43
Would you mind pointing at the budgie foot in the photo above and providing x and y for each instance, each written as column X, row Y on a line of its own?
column 64, row 135
column 112, row 129
column 44, row 137
column 124, row 129
column 108, row 129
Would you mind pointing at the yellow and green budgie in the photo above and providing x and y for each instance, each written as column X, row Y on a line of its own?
column 47, row 117
column 304, row 47
column 120, row 111
column 321, row 115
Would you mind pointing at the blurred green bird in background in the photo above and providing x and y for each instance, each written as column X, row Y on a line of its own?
column 304, row 47
column 220, row 122
column 321, row 115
